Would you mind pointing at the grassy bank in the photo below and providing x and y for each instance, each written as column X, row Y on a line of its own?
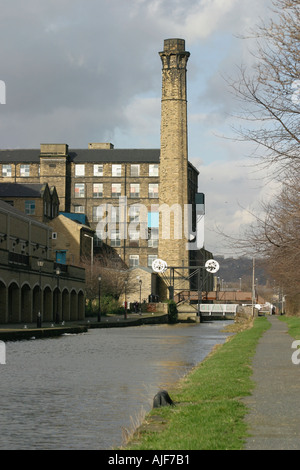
column 293, row 325
column 208, row 413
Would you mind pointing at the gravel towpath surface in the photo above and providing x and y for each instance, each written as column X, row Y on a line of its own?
column 274, row 406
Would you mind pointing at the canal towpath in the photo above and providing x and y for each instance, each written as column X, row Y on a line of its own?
column 274, row 412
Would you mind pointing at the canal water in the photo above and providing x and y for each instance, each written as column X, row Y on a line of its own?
column 79, row 392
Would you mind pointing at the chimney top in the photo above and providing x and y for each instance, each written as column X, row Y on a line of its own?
column 54, row 149
column 101, row 145
column 174, row 45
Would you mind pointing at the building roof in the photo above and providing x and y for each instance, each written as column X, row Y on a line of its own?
column 76, row 217
column 142, row 268
column 80, row 223
column 85, row 155
column 115, row 155
column 20, row 155
column 21, row 190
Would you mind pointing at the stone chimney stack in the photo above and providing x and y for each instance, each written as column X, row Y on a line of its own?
column 173, row 187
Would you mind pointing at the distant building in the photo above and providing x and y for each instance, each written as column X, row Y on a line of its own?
column 72, row 241
column 36, row 200
column 142, row 285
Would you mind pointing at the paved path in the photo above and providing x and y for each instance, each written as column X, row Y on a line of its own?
column 274, row 406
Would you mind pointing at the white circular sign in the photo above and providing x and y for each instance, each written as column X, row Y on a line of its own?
column 159, row 266
column 212, row 266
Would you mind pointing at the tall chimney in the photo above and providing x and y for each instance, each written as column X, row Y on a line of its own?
column 173, row 188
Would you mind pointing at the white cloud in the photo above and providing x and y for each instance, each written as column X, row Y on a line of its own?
column 233, row 193
column 206, row 18
column 143, row 123
column 101, row 55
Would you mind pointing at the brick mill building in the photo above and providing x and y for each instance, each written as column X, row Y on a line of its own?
column 29, row 280
column 89, row 180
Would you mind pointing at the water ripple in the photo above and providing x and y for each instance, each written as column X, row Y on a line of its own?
column 79, row 391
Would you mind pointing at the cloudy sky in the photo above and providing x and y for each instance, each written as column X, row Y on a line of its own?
column 80, row 71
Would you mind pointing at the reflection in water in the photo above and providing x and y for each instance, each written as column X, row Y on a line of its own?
column 79, row 391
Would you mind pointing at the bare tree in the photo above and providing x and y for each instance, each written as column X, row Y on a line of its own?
column 282, row 235
column 112, row 279
column 114, row 274
column 270, row 105
column 270, row 91
column 275, row 238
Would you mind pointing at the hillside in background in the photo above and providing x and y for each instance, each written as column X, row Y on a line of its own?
column 233, row 269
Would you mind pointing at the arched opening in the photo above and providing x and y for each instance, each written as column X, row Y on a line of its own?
column 74, row 306
column 57, row 314
column 26, row 304
column 47, row 305
column 81, row 310
column 65, row 310
column 3, row 305
column 13, row 303
column 35, row 302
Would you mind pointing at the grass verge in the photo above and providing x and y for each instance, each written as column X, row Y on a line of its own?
column 208, row 412
column 293, row 325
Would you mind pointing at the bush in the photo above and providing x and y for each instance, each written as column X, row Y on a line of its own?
column 89, row 310
column 108, row 305
column 172, row 312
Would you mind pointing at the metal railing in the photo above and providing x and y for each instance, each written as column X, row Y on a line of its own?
column 18, row 258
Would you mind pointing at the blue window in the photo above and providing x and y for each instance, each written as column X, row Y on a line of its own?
column 153, row 219
column 61, row 256
column 153, row 224
column 30, row 207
